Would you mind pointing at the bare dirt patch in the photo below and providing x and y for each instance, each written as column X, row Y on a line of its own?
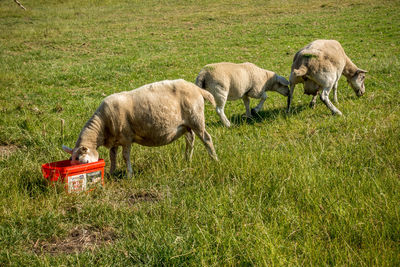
column 144, row 196
column 7, row 150
column 78, row 239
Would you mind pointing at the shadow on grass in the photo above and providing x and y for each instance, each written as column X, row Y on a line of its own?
column 262, row 116
column 33, row 184
column 121, row 173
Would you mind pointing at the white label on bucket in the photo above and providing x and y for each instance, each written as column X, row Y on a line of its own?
column 77, row 183
column 93, row 179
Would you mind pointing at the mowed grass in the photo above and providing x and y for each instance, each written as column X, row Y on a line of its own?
column 306, row 188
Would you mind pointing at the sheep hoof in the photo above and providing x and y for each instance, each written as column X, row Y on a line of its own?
column 337, row 113
column 254, row 112
column 245, row 116
column 227, row 124
column 312, row 105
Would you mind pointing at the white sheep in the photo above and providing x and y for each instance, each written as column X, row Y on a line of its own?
column 230, row 81
column 152, row 115
column 319, row 66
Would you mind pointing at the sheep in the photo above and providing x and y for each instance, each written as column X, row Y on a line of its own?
column 152, row 115
column 230, row 81
column 319, row 66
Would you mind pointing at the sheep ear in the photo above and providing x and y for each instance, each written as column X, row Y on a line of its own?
column 300, row 71
column 67, row 149
column 361, row 71
column 282, row 80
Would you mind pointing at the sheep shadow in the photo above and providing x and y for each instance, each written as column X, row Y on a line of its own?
column 262, row 116
column 32, row 184
column 121, row 173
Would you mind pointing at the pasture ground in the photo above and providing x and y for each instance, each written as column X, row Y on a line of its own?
column 300, row 189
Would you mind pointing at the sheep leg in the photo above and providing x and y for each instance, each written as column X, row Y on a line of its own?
column 220, row 100
column 325, row 98
column 189, row 137
column 290, row 96
column 224, row 119
column 313, row 101
column 207, row 141
column 113, row 158
column 126, row 153
column 335, row 100
column 260, row 105
column 246, row 101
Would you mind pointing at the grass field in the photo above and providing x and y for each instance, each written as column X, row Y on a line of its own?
column 306, row 188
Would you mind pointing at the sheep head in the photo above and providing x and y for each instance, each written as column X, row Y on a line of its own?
column 280, row 85
column 357, row 82
column 82, row 154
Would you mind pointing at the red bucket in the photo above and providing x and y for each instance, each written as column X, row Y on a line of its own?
column 77, row 177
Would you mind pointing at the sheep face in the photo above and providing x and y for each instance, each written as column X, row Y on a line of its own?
column 281, row 85
column 82, row 154
column 357, row 82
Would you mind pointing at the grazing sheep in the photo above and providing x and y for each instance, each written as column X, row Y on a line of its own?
column 319, row 66
column 229, row 81
column 152, row 115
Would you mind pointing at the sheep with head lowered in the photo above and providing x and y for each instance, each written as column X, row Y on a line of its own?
column 230, row 81
column 152, row 115
column 319, row 66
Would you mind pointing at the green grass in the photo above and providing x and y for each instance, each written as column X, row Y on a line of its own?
column 301, row 189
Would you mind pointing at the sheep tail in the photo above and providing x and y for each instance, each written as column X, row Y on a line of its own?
column 208, row 96
column 200, row 80
column 300, row 71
